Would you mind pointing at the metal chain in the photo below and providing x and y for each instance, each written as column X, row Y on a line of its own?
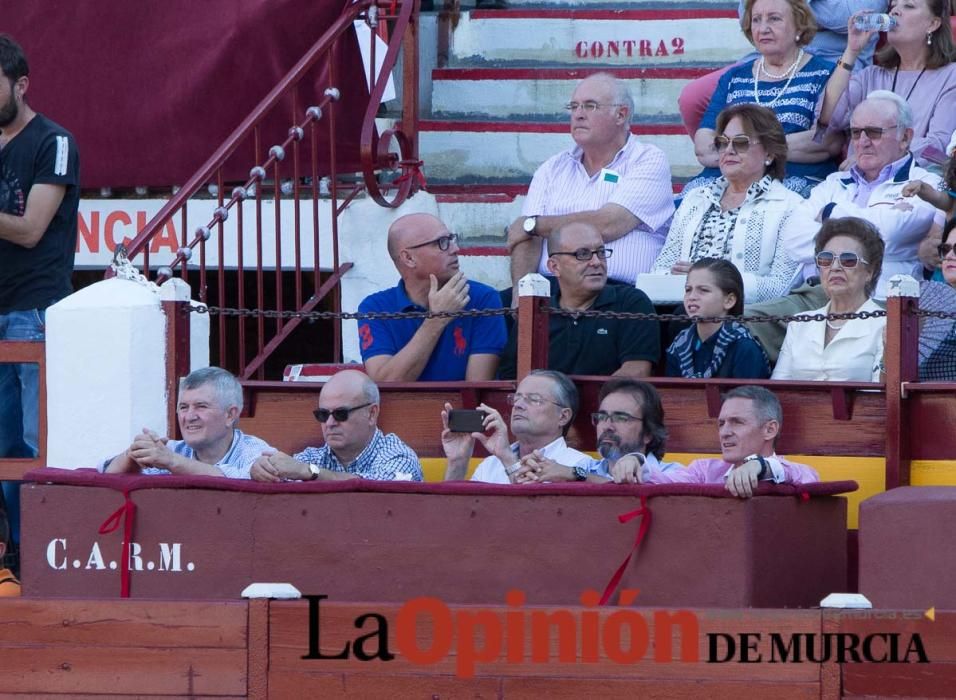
column 346, row 316
column 935, row 314
column 476, row 313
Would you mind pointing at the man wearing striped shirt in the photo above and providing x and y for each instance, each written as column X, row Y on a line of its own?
column 354, row 447
column 608, row 180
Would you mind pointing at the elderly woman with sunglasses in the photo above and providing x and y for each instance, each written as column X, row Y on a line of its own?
column 849, row 255
column 742, row 215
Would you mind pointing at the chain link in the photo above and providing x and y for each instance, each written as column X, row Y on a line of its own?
column 935, row 314
column 576, row 315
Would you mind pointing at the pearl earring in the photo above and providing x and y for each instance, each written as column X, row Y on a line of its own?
column 929, row 38
column 767, row 162
column 796, row 38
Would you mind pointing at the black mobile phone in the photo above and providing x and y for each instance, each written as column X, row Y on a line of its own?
column 466, row 420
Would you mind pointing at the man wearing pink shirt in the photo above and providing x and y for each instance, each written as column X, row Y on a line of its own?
column 749, row 423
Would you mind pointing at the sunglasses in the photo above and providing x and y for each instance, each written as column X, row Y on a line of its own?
column 847, row 260
column 339, row 414
column 944, row 249
column 585, row 254
column 740, row 143
column 873, row 133
column 443, row 242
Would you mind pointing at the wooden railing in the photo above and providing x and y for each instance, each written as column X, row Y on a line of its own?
column 283, row 186
column 27, row 353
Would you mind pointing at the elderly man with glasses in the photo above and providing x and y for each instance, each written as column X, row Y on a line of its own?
column 591, row 345
column 542, row 410
column 629, row 423
column 881, row 130
column 354, row 446
column 425, row 254
column 608, row 179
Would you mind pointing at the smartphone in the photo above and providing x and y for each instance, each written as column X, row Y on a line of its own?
column 466, row 420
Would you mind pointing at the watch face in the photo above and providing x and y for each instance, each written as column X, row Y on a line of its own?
column 529, row 224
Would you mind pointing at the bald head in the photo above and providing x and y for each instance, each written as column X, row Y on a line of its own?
column 412, row 229
column 352, row 383
column 575, row 235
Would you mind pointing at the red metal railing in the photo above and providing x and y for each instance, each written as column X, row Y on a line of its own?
column 290, row 176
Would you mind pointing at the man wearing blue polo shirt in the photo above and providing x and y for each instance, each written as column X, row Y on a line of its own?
column 425, row 254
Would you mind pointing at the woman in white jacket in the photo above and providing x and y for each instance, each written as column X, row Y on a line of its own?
column 740, row 216
column 849, row 255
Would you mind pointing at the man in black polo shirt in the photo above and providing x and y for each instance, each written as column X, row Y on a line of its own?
column 589, row 345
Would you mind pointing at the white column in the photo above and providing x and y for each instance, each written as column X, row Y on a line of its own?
column 105, row 353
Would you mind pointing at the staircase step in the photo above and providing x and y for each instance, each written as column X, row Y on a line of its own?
column 598, row 37
column 541, row 93
column 463, row 151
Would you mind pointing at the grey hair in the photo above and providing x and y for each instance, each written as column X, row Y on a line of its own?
column 904, row 115
column 227, row 387
column 622, row 93
column 565, row 393
column 766, row 404
column 370, row 391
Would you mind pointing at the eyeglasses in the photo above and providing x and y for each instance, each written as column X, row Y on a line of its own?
column 339, row 414
column 741, row 143
column 533, row 399
column 873, row 133
column 945, row 249
column 443, row 242
column 615, row 417
column 585, row 254
column 589, row 106
column 847, row 260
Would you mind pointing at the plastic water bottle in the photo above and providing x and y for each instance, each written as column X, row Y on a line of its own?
column 875, row 22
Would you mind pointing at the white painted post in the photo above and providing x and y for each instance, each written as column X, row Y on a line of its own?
column 105, row 354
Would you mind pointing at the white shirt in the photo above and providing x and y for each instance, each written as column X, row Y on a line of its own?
column 492, row 471
column 853, row 355
column 638, row 178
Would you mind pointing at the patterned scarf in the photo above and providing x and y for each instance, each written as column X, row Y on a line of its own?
column 686, row 344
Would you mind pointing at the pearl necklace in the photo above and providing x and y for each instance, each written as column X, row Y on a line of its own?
column 788, row 74
column 833, row 327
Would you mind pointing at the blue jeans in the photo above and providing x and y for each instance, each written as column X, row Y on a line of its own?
column 19, row 403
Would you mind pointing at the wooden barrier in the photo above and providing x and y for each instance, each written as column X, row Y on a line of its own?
column 27, row 353
column 70, row 648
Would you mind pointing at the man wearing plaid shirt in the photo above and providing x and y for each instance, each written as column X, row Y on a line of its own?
column 354, row 446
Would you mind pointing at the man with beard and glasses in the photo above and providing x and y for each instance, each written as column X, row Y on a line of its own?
column 39, row 198
column 543, row 409
column 629, row 422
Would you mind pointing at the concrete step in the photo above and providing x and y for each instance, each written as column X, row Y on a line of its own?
column 474, row 152
column 540, row 93
column 591, row 38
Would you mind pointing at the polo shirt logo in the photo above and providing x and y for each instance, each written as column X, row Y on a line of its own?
column 602, row 331
column 365, row 333
column 460, row 344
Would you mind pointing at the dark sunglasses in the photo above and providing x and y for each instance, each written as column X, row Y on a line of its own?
column 944, row 249
column 339, row 414
column 585, row 254
column 847, row 260
column 741, row 143
column 873, row 133
column 443, row 242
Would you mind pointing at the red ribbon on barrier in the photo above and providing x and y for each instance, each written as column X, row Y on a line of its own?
column 125, row 514
column 645, row 515
column 412, row 169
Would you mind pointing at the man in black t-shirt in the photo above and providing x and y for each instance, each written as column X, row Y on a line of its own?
column 591, row 345
column 39, row 198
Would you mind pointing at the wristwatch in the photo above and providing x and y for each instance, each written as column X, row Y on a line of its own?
column 529, row 225
column 579, row 473
column 314, row 469
column 765, row 472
